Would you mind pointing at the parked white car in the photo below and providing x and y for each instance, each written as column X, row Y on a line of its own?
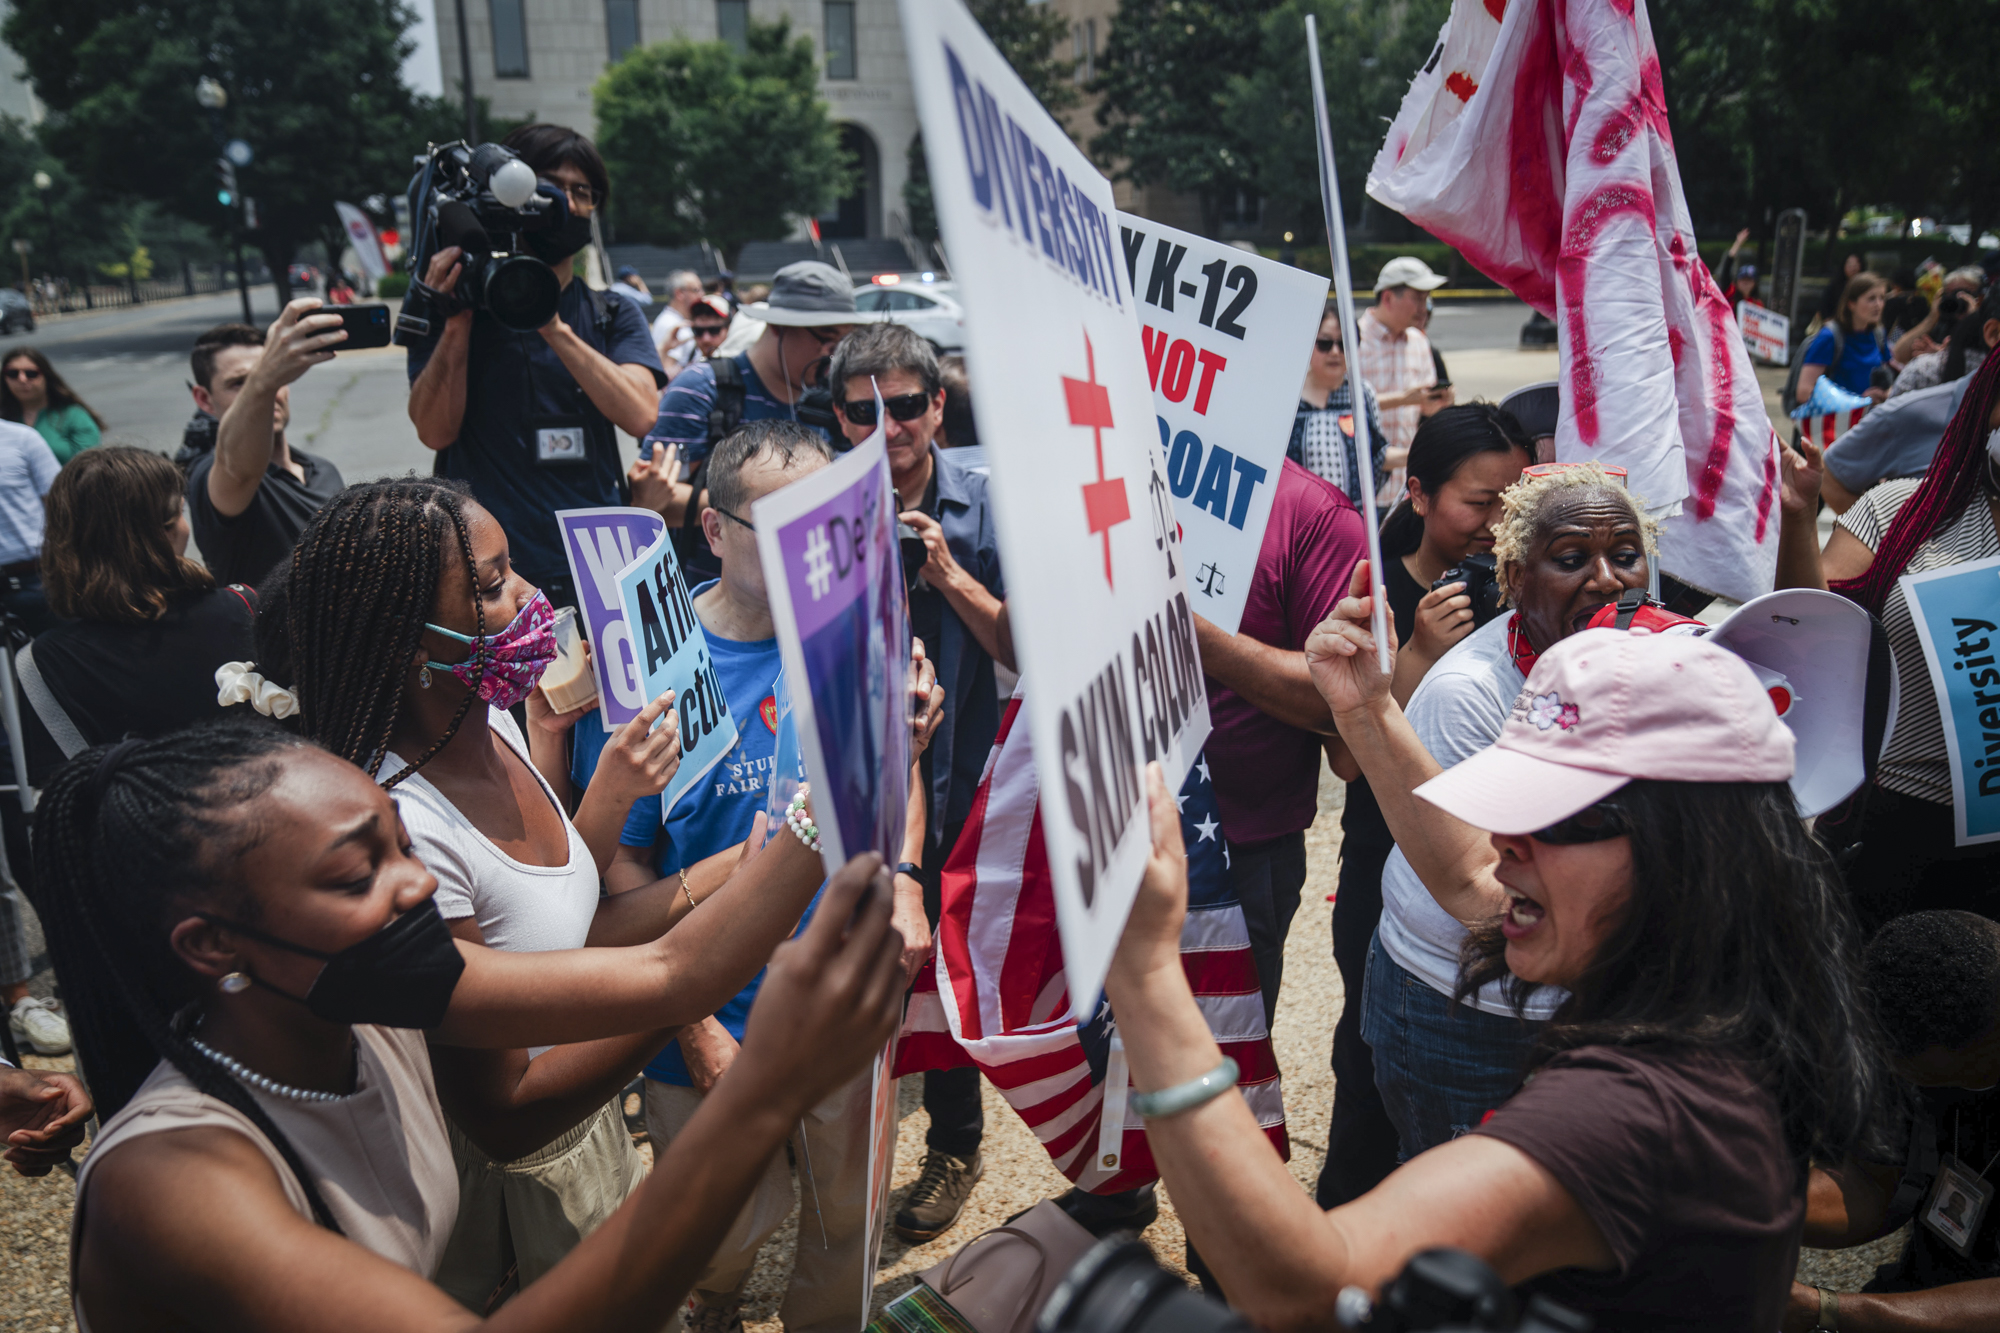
column 930, row 308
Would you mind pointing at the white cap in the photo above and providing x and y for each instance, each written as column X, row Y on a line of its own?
column 1407, row 271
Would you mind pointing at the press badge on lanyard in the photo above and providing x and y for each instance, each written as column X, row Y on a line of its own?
column 1958, row 1204
column 559, row 440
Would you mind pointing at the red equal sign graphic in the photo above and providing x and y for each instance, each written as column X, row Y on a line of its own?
column 1105, row 504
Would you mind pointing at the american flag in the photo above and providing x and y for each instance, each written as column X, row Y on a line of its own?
column 997, row 996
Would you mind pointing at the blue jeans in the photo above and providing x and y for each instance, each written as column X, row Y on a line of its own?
column 1440, row 1066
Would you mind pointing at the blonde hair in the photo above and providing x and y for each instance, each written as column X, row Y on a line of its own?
column 1523, row 505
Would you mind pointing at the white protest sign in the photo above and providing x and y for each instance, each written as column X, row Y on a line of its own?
column 1227, row 336
column 672, row 654
column 1096, row 576
column 1766, row 333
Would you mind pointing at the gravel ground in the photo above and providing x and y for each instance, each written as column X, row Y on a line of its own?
column 34, row 1262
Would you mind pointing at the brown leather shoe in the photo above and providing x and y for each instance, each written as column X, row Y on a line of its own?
column 939, row 1195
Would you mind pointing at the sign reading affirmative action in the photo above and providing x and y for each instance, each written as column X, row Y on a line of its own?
column 1227, row 336
column 672, row 654
column 1097, row 578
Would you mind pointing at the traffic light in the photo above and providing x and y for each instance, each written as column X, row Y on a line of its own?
column 225, row 175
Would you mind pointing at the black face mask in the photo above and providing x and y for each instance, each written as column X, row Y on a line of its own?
column 402, row 976
column 565, row 239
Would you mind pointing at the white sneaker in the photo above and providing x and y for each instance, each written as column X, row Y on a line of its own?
column 34, row 1023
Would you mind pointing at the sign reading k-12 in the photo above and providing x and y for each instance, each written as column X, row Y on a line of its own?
column 1227, row 335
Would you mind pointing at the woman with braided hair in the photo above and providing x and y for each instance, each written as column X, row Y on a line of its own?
column 1898, row 830
column 259, row 977
column 409, row 635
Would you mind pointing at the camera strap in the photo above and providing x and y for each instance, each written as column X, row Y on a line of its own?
column 445, row 304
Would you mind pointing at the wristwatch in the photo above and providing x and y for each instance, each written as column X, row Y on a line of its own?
column 912, row 869
column 1829, row 1311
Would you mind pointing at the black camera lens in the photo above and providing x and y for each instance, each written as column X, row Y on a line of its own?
column 1479, row 574
column 522, row 292
column 1119, row 1288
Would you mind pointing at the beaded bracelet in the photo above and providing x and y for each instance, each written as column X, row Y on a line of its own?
column 800, row 823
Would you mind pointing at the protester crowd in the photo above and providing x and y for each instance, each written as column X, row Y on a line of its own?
column 362, row 942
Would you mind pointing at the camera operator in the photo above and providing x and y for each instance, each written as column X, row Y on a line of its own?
column 1645, row 853
column 1970, row 280
column 504, row 410
column 1569, row 541
column 1460, row 462
column 810, row 308
column 958, row 609
column 1935, row 977
column 250, row 496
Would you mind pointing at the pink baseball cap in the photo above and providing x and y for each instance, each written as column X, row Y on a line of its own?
column 1606, row 706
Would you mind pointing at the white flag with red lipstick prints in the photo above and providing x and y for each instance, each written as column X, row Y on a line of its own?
column 1536, row 141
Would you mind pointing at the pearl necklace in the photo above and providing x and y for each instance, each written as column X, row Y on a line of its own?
column 256, row 1080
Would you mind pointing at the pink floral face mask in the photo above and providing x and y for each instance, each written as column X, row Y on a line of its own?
column 515, row 658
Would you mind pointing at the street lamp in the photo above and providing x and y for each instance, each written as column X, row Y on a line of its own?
column 43, row 181
column 213, row 97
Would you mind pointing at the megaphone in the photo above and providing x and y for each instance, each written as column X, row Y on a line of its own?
column 1829, row 662
column 1825, row 664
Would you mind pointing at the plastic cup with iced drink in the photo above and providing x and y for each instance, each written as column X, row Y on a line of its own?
column 569, row 682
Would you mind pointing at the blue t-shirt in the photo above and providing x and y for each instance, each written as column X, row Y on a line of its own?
column 1858, row 358
column 717, row 813
column 514, row 385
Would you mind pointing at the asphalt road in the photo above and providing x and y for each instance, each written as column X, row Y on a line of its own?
column 131, row 365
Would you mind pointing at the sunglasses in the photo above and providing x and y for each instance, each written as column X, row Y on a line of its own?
column 710, row 330
column 732, row 518
column 903, row 407
column 1326, row 344
column 24, row 374
column 1594, row 823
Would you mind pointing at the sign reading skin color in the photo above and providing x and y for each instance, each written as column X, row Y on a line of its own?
column 599, row 543
column 1957, row 614
column 672, row 654
column 1097, row 580
column 1227, row 337
column 834, row 575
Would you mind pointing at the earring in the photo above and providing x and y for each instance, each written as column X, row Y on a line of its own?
column 234, row 983
column 424, row 676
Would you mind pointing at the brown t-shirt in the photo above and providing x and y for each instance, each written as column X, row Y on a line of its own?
column 1679, row 1157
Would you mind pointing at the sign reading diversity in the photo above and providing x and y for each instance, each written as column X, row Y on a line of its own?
column 1227, row 335
column 671, row 652
column 599, row 543
column 1096, row 573
column 834, row 575
column 1957, row 614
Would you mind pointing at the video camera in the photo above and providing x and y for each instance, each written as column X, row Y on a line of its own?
column 510, row 226
column 1118, row 1288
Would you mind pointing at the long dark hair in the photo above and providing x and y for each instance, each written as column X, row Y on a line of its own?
column 129, row 839
column 1738, row 938
column 1442, row 444
column 105, row 553
column 351, row 615
column 60, row 394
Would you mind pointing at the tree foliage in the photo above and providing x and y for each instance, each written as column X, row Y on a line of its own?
column 706, row 144
column 1031, row 38
column 315, row 88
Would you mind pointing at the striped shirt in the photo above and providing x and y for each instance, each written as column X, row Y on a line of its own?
column 1915, row 762
column 1390, row 364
column 1323, row 440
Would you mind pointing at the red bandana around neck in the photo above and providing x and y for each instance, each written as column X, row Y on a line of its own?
column 1518, row 647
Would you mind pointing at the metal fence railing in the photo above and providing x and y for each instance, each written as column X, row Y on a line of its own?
column 62, row 295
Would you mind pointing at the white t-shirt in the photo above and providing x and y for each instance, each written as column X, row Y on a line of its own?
column 519, row 907
column 670, row 329
column 1456, row 712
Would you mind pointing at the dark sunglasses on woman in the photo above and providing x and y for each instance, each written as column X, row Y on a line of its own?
column 1326, row 345
column 903, row 407
column 1593, row 823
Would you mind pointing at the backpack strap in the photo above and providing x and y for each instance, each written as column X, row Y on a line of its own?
column 61, row 730
column 726, row 413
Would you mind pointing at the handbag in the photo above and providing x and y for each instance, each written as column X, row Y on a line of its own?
column 999, row 1280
